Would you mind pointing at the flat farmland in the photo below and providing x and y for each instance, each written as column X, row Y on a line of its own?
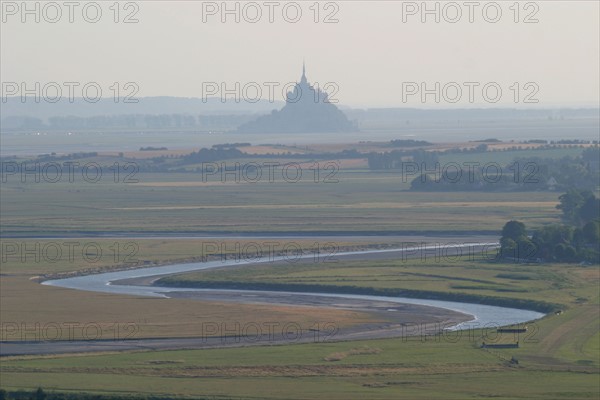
column 154, row 221
column 360, row 202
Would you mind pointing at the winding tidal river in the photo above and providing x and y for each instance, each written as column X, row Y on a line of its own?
column 483, row 315
column 139, row 282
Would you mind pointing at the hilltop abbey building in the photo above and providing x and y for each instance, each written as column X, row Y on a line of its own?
column 307, row 110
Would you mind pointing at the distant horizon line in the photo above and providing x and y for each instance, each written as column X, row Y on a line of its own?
column 345, row 106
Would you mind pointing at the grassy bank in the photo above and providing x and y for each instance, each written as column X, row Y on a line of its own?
column 346, row 289
column 557, row 358
column 543, row 288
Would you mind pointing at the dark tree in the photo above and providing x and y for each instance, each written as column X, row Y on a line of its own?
column 514, row 230
column 590, row 209
column 591, row 232
column 578, row 206
column 40, row 394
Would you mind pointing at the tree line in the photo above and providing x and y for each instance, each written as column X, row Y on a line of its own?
column 576, row 240
column 41, row 394
column 127, row 122
column 522, row 174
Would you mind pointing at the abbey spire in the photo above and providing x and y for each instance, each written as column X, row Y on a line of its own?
column 303, row 79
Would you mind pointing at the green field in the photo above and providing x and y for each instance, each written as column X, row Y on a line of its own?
column 508, row 156
column 388, row 369
column 163, row 203
column 483, row 281
column 558, row 357
column 351, row 199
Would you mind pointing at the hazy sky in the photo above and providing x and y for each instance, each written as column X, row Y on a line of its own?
column 371, row 54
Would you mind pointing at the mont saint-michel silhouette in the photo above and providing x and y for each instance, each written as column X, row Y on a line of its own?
column 307, row 110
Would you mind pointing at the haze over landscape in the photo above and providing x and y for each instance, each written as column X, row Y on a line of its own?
column 366, row 48
column 298, row 200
